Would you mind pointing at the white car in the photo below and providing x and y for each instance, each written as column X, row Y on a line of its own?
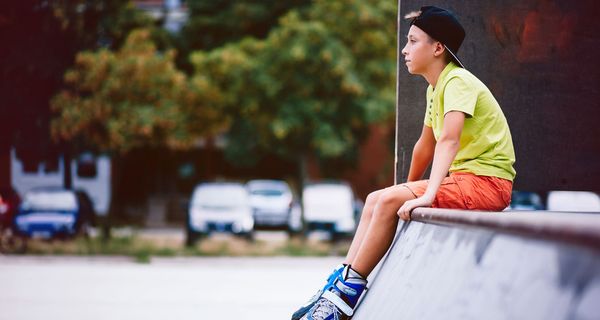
column 273, row 205
column 219, row 207
column 573, row 201
column 329, row 207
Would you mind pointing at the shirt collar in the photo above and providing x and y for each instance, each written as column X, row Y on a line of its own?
column 449, row 67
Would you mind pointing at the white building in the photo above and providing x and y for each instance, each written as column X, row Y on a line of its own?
column 90, row 173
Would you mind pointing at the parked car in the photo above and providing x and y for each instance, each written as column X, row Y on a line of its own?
column 219, row 207
column 329, row 206
column 573, row 201
column 54, row 212
column 526, row 200
column 9, row 204
column 273, row 205
column 10, row 241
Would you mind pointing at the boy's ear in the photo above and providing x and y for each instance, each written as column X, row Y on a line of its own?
column 439, row 49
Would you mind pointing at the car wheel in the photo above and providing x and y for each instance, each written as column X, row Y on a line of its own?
column 249, row 236
column 292, row 232
column 306, row 232
column 289, row 232
column 334, row 237
column 12, row 242
column 191, row 237
column 84, row 230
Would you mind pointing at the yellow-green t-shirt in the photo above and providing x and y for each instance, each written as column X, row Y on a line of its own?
column 486, row 147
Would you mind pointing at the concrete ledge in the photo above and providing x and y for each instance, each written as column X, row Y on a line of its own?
column 449, row 264
column 577, row 228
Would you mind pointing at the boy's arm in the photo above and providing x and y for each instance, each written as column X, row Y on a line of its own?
column 445, row 151
column 422, row 154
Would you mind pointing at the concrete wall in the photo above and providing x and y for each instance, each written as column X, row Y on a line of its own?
column 441, row 272
column 540, row 59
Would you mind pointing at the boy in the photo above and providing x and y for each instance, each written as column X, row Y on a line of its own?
column 465, row 134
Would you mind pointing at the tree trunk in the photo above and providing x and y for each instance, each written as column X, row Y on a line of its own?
column 67, row 174
column 115, row 179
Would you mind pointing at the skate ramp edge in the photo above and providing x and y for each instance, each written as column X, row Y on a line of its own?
column 451, row 264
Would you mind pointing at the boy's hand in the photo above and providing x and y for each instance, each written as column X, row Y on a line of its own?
column 408, row 206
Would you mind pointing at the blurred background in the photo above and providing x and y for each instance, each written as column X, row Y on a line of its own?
column 178, row 128
column 137, row 102
column 153, row 129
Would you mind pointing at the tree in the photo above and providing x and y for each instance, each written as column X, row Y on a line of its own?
column 215, row 23
column 312, row 86
column 40, row 40
column 116, row 101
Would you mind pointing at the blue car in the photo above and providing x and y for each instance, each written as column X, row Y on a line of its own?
column 526, row 200
column 54, row 213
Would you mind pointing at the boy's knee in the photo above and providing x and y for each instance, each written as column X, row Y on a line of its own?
column 387, row 199
column 373, row 197
column 387, row 205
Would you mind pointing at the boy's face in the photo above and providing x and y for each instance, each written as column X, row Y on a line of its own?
column 418, row 51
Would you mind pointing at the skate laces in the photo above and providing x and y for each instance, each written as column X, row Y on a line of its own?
column 324, row 308
column 314, row 297
column 335, row 274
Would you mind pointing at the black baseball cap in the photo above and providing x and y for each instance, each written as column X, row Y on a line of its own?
column 442, row 25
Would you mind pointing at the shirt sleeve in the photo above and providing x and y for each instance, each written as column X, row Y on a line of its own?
column 460, row 96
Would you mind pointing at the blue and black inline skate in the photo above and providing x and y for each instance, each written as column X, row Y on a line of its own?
column 337, row 299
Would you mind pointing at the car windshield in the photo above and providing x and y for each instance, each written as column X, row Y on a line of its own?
column 328, row 198
column 220, row 196
column 268, row 188
column 59, row 200
column 267, row 192
column 528, row 199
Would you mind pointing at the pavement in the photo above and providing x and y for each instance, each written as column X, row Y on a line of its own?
column 44, row 287
column 178, row 234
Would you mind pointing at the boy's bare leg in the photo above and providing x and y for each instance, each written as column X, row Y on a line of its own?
column 382, row 228
column 363, row 225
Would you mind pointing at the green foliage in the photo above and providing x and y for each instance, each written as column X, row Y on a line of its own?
column 103, row 23
column 40, row 40
column 368, row 29
column 134, row 97
column 312, row 86
column 213, row 23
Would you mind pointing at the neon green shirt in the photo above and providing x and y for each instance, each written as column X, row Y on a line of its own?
column 486, row 147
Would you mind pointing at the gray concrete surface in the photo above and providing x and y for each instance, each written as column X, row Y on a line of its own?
column 171, row 288
column 441, row 272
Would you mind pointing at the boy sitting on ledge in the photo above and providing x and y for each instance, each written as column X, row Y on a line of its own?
column 465, row 134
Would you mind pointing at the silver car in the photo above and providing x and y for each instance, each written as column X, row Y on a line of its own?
column 219, row 207
column 273, row 205
column 329, row 206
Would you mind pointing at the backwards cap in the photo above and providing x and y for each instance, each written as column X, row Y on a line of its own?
column 443, row 26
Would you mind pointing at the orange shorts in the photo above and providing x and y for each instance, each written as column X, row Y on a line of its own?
column 463, row 190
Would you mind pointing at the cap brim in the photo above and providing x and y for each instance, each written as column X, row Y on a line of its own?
column 455, row 58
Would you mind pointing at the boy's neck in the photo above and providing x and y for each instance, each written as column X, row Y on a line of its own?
column 433, row 73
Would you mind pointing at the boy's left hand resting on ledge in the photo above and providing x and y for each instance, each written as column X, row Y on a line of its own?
column 408, row 206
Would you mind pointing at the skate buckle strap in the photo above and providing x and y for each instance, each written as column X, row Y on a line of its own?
column 335, row 299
